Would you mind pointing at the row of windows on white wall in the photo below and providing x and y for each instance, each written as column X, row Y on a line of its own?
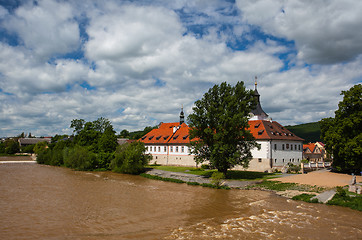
column 286, row 146
column 158, row 149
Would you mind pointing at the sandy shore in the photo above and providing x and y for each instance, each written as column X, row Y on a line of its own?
column 321, row 178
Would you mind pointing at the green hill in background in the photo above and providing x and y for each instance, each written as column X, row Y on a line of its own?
column 310, row 132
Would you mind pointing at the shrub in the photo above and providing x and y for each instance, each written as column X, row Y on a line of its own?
column 216, row 178
column 130, row 158
column 28, row 148
column 44, row 157
column 79, row 158
column 40, row 147
column 293, row 168
column 104, row 160
column 205, row 166
column 12, row 147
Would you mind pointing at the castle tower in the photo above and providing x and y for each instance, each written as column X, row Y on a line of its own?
column 257, row 113
column 182, row 116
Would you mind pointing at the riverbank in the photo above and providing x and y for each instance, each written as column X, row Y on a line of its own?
column 313, row 187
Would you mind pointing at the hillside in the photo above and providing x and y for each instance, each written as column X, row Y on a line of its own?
column 310, row 132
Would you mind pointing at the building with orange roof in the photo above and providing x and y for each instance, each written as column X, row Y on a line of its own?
column 314, row 152
column 169, row 143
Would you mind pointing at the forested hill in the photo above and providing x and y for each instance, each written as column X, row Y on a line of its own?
column 310, row 132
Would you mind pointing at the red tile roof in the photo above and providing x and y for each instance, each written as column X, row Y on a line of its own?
column 261, row 130
column 271, row 130
column 310, row 146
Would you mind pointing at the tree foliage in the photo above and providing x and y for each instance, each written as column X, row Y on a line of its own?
column 11, row 146
column 342, row 134
column 218, row 127
column 130, row 158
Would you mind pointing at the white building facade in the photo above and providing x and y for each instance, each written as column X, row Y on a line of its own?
column 169, row 143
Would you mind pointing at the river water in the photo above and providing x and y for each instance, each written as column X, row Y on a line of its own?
column 44, row 202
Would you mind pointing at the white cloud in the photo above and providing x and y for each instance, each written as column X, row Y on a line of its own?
column 142, row 63
column 46, row 28
column 324, row 31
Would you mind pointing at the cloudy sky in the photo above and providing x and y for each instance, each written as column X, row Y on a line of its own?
column 137, row 62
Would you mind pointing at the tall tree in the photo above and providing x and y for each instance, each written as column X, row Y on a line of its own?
column 218, row 127
column 342, row 134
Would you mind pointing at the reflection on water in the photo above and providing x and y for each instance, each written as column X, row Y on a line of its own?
column 40, row 202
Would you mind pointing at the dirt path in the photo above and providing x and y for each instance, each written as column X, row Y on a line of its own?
column 322, row 178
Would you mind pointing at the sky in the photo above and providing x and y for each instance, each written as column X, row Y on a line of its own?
column 137, row 62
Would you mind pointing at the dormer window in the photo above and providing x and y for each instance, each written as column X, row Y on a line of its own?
column 150, row 137
column 257, row 125
column 175, row 137
column 184, row 137
column 158, row 138
column 143, row 138
column 165, row 137
column 260, row 132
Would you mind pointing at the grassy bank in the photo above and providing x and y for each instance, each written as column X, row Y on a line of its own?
column 279, row 186
column 181, row 181
column 231, row 174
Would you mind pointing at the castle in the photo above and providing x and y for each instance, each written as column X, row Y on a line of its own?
column 169, row 143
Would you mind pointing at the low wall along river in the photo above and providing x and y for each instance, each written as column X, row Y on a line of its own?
column 44, row 202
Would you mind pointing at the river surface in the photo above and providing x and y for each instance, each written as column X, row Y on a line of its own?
column 44, row 202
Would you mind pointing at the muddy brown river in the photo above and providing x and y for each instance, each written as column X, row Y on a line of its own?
column 44, row 202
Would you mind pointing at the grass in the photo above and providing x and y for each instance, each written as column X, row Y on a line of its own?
column 180, row 181
column 346, row 199
column 306, row 198
column 279, row 186
column 231, row 174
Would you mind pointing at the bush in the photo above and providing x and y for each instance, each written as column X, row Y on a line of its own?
column 12, row 147
column 28, row 148
column 40, row 147
column 104, row 160
column 293, row 168
column 205, row 166
column 130, row 158
column 216, row 178
column 79, row 158
column 44, row 157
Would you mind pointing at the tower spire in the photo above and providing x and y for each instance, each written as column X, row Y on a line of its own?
column 256, row 82
column 182, row 116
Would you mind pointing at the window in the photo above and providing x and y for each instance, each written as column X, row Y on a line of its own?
column 283, row 159
column 176, row 149
column 159, row 149
column 154, row 149
column 165, row 149
column 259, row 159
column 299, row 147
column 282, row 146
column 291, row 146
column 171, row 150
column 275, row 147
column 275, row 160
column 287, row 145
column 182, row 149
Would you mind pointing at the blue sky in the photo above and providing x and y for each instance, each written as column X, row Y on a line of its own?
column 137, row 62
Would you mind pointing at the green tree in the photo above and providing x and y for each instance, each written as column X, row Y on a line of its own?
column 108, row 140
column 218, row 127
column 342, row 134
column 11, row 146
column 77, row 124
column 124, row 133
column 2, row 147
column 130, row 158
column 40, row 147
